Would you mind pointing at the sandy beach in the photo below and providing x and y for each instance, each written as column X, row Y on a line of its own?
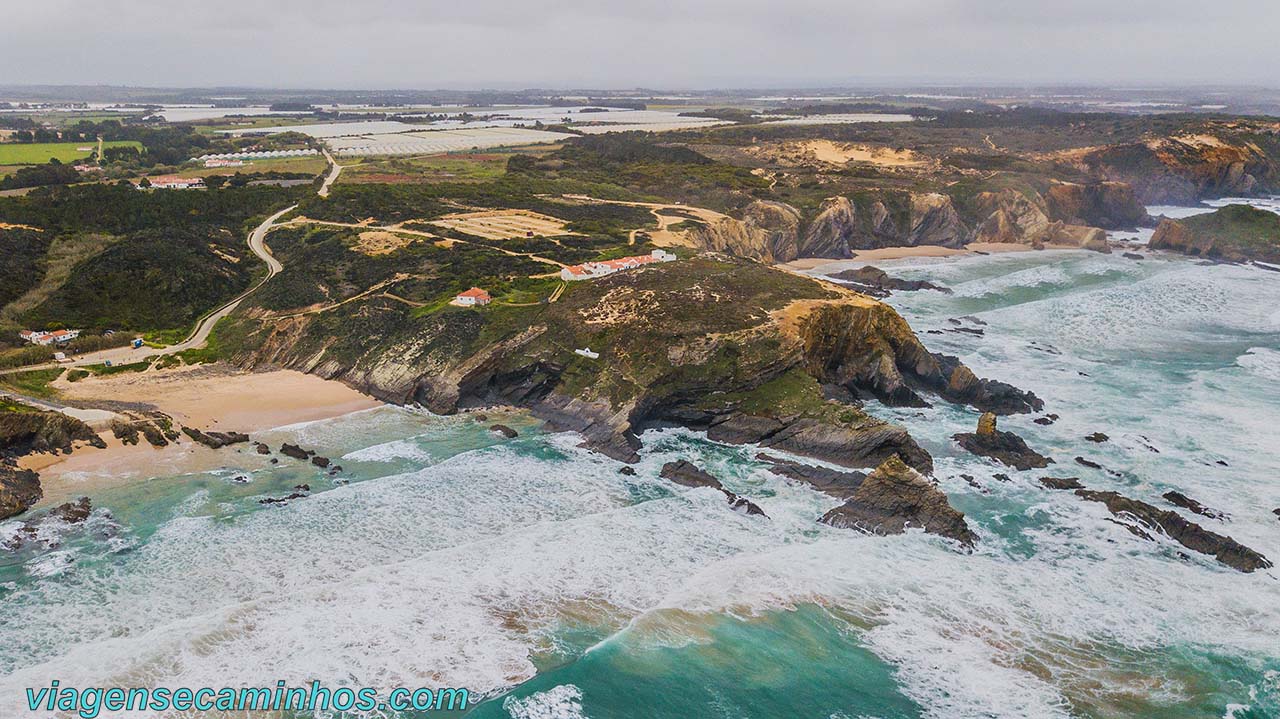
column 805, row 264
column 203, row 397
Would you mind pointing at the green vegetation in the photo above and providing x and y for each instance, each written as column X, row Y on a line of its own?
column 38, row 153
column 11, row 406
column 153, row 279
column 103, row 370
column 1236, row 233
column 34, row 383
column 22, row 268
column 120, row 208
column 431, row 169
column 110, row 257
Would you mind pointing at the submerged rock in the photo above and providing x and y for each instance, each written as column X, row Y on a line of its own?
column 70, row 513
column 1061, row 483
column 830, row 481
column 293, row 450
column 894, row 498
column 1005, row 447
column 1181, row 500
column 810, row 437
column 687, row 474
column 1097, row 437
column 261, row 448
column 504, row 430
column 1187, row 533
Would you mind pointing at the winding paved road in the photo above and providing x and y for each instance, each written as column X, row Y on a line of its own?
column 334, row 170
column 200, row 335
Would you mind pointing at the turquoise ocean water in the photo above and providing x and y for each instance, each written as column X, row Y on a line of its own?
column 534, row 573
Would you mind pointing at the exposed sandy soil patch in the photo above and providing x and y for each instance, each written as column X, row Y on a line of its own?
column 839, row 153
column 381, row 242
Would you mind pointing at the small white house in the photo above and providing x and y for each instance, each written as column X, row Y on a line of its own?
column 586, row 352
column 471, row 298
column 45, row 339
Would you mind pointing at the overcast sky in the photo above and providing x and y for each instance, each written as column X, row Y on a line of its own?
column 423, row 44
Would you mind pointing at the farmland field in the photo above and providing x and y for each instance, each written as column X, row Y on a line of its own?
column 37, row 153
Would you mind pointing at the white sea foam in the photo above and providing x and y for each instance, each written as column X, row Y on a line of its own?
column 1262, row 362
column 561, row 702
column 456, row 574
column 389, row 452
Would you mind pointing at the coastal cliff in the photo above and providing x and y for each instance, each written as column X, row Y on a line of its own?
column 1209, row 161
column 748, row 353
column 1235, row 233
column 1070, row 214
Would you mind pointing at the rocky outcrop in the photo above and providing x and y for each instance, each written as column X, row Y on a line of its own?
column 1061, row 483
column 156, row 428
column 714, row 343
column 1212, row 161
column 44, row 529
column 215, row 440
column 1235, row 233
column 768, row 231
column 1108, row 205
column 850, row 446
column 1010, row 216
column 686, row 474
column 894, row 498
column 836, row 483
column 504, row 430
column 1179, row 499
column 19, row 489
column 878, row 283
column 934, row 221
column 43, row 431
column 1005, row 447
column 296, row 452
column 835, row 231
column 1142, row 520
column 872, row 351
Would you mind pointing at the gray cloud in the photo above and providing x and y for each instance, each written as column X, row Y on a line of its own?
column 623, row 43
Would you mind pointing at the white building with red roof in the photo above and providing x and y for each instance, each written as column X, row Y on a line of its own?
column 49, row 338
column 471, row 298
column 592, row 270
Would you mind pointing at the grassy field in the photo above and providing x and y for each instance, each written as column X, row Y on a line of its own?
column 38, row 153
column 462, row 167
column 34, row 383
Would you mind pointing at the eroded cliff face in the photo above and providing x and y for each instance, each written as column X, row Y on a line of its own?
column 1185, row 168
column 768, row 231
column 748, row 353
column 1011, row 216
column 934, row 221
column 1108, row 205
